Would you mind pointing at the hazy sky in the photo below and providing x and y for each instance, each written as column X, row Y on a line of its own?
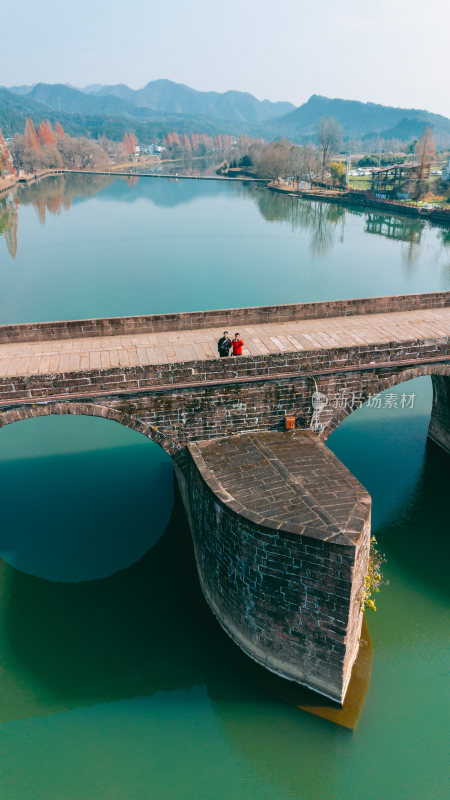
column 388, row 51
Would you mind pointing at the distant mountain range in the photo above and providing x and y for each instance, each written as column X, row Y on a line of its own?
column 167, row 97
column 158, row 100
column 93, row 120
column 163, row 105
column 359, row 120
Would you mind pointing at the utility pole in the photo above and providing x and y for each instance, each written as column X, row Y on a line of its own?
column 347, row 174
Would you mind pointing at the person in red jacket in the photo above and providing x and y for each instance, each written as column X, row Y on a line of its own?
column 237, row 344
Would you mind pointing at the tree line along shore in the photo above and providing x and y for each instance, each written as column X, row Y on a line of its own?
column 320, row 167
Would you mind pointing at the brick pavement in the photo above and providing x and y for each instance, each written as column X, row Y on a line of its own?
column 168, row 347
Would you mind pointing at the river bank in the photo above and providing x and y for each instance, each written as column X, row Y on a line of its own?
column 7, row 185
column 358, row 198
column 348, row 198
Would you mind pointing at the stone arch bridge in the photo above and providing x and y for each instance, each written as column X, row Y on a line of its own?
column 281, row 528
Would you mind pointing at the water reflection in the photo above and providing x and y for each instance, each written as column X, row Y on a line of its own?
column 54, row 194
column 188, row 165
column 50, row 195
column 325, row 222
column 8, row 223
column 401, row 229
column 445, row 236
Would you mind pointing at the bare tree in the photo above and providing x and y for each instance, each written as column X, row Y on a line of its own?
column 16, row 149
column 82, row 153
column 31, row 159
column 329, row 136
column 309, row 167
column 256, row 150
column 425, row 150
column 295, row 162
column 274, row 162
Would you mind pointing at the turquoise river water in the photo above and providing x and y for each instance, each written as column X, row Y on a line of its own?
column 114, row 682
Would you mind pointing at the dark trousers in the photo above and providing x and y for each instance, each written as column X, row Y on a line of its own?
column 223, row 354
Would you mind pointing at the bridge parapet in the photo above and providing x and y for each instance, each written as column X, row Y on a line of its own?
column 220, row 318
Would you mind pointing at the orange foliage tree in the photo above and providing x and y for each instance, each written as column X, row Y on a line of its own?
column 31, row 139
column 129, row 143
column 46, row 134
column 186, row 142
column 59, row 130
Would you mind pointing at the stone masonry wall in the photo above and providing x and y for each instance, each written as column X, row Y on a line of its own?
column 439, row 430
column 177, row 414
column 43, row 331
column 291, row 602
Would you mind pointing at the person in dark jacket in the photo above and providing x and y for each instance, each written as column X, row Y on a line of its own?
column 223, row 345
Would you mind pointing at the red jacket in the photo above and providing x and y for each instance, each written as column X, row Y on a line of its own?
column 237, row 346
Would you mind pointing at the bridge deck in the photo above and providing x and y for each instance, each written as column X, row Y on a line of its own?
column 108, row 352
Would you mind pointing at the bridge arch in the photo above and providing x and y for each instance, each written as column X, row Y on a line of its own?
column 31, row 411
column 371, row 385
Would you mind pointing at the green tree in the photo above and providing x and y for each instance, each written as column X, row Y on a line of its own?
column 338, row 172
column 246, row 161
column 368, row 161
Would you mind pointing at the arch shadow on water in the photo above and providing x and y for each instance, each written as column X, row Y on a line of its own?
column 116, row 637
column 406, row 475
column 414, row 541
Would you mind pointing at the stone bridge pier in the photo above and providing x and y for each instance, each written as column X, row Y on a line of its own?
column 281, row 529
column 281, row 533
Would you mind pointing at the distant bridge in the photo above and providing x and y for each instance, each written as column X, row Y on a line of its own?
column 175, row 176
column 281, row 529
